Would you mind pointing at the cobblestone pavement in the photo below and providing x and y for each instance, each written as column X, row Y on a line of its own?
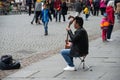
column 27, row 42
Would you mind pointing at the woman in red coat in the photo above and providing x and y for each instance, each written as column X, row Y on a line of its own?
column 111, row 18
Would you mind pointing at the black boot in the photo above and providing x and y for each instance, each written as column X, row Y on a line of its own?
column 46, row 33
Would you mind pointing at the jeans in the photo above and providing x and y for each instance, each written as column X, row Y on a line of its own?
column 57, row 13
column 86, row 16
column 45, row 24
column 34, row 16
column 66, row 55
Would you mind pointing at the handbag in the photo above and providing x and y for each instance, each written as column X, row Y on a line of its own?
column 8, row 63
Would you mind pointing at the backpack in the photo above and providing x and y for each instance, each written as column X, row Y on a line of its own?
column 7, row 63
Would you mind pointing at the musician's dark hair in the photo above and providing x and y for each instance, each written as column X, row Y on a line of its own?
column 79, row 20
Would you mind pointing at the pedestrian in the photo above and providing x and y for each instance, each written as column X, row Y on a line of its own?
column 64, row 10
column 37, row 12
column 79, row 42
column 96, row 5
column 45, row 16
column 78, row 7
column 86, row 12
column 34, row 1
column 104, row 27
column 110, row 12
column 52, row 8
column 29, row 4
column 57, row 8
column 118, row 11
column 91, row 7
column 102, row 6
column 115, row 3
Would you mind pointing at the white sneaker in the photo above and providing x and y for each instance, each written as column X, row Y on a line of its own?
column 69, row 68
column 109, row 40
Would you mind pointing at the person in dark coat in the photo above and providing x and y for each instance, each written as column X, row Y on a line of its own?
column 79, row 42
column 64, row 10
column 57, row 8
column 96, row 7
column 78, row 7
column 52, row 8
column 29, row 4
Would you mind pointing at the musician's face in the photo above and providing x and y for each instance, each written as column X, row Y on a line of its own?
column 76, row 25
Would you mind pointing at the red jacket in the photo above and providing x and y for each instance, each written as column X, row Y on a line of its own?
column 57, row 4
column 110, row 14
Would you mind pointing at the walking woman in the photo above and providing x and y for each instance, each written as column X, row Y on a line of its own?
column 102, row 6
column 111, row 18
column 64, row 10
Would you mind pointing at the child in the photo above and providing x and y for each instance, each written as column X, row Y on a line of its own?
column 45, row 16
column 86, row 12
column 104, row 26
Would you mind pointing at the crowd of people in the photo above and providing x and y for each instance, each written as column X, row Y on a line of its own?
column 59, row 7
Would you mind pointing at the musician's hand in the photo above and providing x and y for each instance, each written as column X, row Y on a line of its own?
column 71, row 22
column 69, row 43
column 67, row 28
column 70, row 17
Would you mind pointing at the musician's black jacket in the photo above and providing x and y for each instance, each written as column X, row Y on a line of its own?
column 80, row 42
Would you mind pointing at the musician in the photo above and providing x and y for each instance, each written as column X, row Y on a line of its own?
column 79, row 41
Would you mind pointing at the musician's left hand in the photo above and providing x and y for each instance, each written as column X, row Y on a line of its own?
column 67, row 28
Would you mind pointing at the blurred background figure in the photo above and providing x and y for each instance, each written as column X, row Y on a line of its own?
column 64, row 10
column 96, row 5
column 57, row 8
column 110, row 15
column 78, row 7
column 37, row 12
column 102, row 6
column 117, row 9
column 29, row 4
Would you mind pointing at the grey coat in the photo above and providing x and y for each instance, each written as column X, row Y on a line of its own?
column 78, row 6
column 38, row 6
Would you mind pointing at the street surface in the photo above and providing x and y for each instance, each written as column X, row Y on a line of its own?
column 27, row 43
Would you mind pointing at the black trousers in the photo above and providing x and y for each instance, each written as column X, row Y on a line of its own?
column 102, row 10
column 96, row 11
column 38, row 13
column 110, row 29
column 63, row 17
column 29, row 9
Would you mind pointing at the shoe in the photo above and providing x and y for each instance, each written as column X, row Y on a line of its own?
column 31, row 22
column 39, row 23
column 109, row 40
column 46, row 34
column 69, row 68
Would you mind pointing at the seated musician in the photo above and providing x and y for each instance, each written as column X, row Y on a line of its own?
column 79, row 41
